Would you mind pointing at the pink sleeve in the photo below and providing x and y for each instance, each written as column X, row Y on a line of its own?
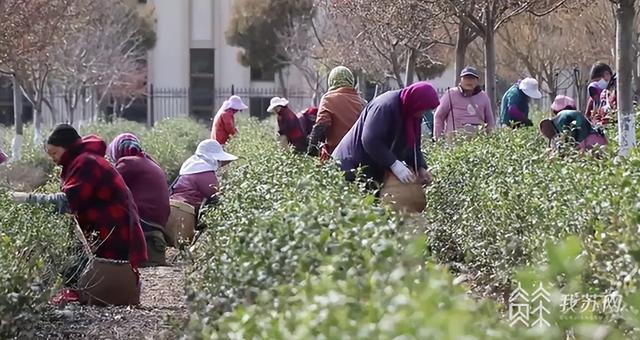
column 489, row 119
column 442, row 112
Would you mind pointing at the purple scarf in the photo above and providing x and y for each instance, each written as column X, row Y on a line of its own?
column 416, row 99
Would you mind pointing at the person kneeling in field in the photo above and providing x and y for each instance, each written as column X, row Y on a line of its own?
column 514, row 109
column 307, row 119
column 195, row 187
column 95, row 193
column 148, row 185
column 386, row 136
column 339, row 109
column 574, row 125
column 289, row 126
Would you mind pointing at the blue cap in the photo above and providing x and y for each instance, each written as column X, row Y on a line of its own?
column 469, row 71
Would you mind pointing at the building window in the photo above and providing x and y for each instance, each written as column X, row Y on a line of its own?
column 262, row 74
column 202, row 81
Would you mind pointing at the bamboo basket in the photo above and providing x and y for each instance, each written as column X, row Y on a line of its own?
column 181, row 225
column 106, row 282
column 408, row 198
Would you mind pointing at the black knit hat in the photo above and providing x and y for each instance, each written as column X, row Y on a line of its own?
column 63, row 135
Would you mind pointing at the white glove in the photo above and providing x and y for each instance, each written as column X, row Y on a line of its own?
column 20, row 197
column 402, row 172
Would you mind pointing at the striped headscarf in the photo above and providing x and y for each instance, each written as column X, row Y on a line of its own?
column 341, row 77
column 124, row 145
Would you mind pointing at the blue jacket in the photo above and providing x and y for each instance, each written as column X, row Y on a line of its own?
column 514, row 107
column 377, row 140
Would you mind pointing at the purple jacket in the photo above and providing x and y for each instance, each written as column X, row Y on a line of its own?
column 148, row 185
column 369, row 142
column 193, row 189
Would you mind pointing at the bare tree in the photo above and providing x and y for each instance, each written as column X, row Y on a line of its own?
column 29, row 33
column 387, row 34
column 303, row 46
column 553, row 61
column 108, row 52
column 625, row 16
column 485, row 17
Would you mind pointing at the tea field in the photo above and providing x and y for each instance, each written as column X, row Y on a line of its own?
column 294, row 252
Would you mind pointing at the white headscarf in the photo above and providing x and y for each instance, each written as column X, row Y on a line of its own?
column 206, row 158
column 224, row 107
column 202, row 160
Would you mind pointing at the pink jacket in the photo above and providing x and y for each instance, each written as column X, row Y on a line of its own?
column 468, row 112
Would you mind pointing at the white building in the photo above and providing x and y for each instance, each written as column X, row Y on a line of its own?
column 191, row 53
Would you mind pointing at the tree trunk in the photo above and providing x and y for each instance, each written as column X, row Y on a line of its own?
column 490, row 69
column 636, row 77
column 362, row 83
column 37, row 124
column 396, row 68
column 283, row 87
column 462, row 43
column 16, row 143
column 410, row 70
column 625, row 14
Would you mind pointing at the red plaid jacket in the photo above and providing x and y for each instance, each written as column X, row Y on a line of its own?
column 102, row 203
column 289, row 125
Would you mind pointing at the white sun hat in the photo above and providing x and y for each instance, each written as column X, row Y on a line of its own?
column 208, row 154
column 530, row 87
column 236, row 103
column 275, row 102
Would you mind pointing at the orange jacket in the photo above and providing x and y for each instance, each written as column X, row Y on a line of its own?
column 224, row 126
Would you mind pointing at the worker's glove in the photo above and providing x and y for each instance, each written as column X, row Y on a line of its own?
column 20, row 197
column 402, row 172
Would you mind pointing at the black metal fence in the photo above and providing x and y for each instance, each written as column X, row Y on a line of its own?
column 173, row 102
column 160, row 103
column 157, row 104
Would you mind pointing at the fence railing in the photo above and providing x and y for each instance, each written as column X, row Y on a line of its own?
column 159, row 103
column 156, row 104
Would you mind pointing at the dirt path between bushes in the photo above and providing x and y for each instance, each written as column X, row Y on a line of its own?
column 162, row 310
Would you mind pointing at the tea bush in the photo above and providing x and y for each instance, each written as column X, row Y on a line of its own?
column 33, row 246
column 281, row 217
column 499, row 199
column 293, row 252
column 408, row 300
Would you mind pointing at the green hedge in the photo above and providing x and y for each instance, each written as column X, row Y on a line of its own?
column 33, row 246
column 282, row 215
column 498, row 200
column 295, row 253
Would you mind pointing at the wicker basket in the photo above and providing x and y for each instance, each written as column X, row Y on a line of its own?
column 181, row 226
column 108, row 282
column 402, row 197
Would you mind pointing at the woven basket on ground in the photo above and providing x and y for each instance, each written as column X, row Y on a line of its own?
column 108, row 282
column 181, row 226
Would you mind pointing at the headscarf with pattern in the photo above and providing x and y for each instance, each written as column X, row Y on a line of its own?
column 341, row 77
column 124, row 145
